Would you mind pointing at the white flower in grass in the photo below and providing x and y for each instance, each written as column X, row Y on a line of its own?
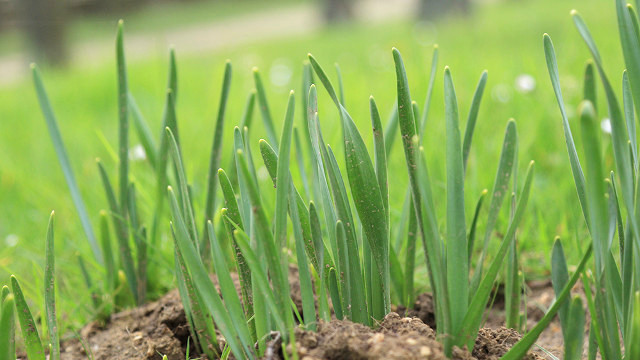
column 11, row 240
column 137, row 153
column 525, row 83
column 605, row 125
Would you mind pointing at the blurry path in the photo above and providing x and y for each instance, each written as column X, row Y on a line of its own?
column 235, row 31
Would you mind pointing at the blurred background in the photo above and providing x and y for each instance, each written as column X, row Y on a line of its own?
column 73, row 42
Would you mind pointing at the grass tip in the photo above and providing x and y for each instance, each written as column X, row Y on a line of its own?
column 98, row 160
column 221, row 171
column 239, row 152
column 485, row 191
column 255, row 69
column 435, row 46
column 629, row 6
column 53, row 212
column 169, row 188
column 13, row 277
column 103, row 212
column 227, row 62
column 573, row 12
column 532, row 162
column 291, row 92
column 33, row 66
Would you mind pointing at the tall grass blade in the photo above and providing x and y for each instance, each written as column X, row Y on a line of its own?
column 633, row 345
column 473, row 116
column 123, row 121
column 576, row 168
column 216, row 150
column 457, row 265
column 559, row 278
column 32, row 343
column 63, row 159
column 264, row 109
column 380, row 156
column 284, row 176
column 590, row 92
column 50, row 293
column 474, row 224
column 629, row 116
column 630, row 41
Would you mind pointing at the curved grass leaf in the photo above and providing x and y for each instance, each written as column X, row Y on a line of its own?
column 144, row 133
column 590, row 84
column 474, row 224
column 559, row 278
column 32, row 343
column 264, row 109
column 284, row 176
column 63, row 159
column 575, row 330
column 427, row 100
column 216, row 149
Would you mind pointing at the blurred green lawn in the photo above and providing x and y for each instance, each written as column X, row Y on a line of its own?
column 504, row 37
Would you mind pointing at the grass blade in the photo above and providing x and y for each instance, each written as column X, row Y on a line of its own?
column 474, row 224
column 473, row 116
column 380, row 157
column 630, row 41
column 559, row 278
column 457, row 265
column 7, row 327
column 264, row 109
column 575, row 330
column 427, row 100
column 633, row 345
column 123, row 120
column 629, row 116
column 216, row 150
column 590, row 84
column 32, row 343
column 63, row 159
column 576, row 168
column 49, row 293
column 284, row 176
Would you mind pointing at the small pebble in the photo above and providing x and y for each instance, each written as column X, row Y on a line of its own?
column 425, row 351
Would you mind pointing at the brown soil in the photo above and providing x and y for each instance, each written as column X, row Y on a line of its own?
column 160, row 328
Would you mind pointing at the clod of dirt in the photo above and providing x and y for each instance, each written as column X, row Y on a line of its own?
column 395, row 338
column 148, row 332
column 491, row 344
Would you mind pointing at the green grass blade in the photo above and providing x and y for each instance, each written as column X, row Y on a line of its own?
column 184, row 193
column 7, row 328
column 247, row 116
column 325, row 80
column 559, row 278
column 390, row 130
column 410, row 256
column 427, row 100
column 123, row 120
column 63, row 159
column 262, row 280
column 107, row 251
column 270, row 159
column 575, row 330
column 334, row 292
column 300, row 156
column 590, row 84
column 380, row 157
column 397, row 277
column 576, row 168
column 32, row 343
column 266, row 237
column 340, row 84
column 122, row 233
column 473, row 116
column 216, row 150
column 228, row 289
column 498, row 193
column 474, row 224
column 49, row 293
column 630, row 41
column 143, row 131
column 478, row 303
column 629, row 116
column 318, row 243
column 304, row 273
column 89, row 282
column 345, row 275
column 284, row 176
column 264, row 109
column 457, row 257
column 633, row 344
column 521, row 347
column 203, row 283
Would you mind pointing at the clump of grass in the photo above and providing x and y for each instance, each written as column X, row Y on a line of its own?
column 608, row 200
column 342, row 245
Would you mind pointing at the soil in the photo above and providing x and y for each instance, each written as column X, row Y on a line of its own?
column 160, row 328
